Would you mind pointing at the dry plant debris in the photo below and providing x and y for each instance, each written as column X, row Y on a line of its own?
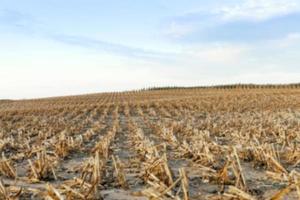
column 200, row 143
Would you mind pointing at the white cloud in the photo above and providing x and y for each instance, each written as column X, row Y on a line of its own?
column 218, row 53
column 290, row 40
column 264, row 78
column 177, row 30
column 257, row 10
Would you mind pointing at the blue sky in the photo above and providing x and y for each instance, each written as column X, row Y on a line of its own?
column 54, row 47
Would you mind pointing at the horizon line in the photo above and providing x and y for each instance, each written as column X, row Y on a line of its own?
column 157, row 88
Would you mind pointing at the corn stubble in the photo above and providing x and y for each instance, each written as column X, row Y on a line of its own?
column 183, row 144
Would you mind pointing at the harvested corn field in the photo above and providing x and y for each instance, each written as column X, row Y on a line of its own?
column 197, row 143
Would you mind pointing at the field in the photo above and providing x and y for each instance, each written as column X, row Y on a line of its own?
column 197, row 143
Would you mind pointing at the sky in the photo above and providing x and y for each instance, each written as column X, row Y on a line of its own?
column 56, row 48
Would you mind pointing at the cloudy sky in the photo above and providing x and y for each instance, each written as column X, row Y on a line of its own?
column 55, row 47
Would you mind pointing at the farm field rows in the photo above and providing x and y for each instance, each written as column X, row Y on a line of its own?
column 160, row 144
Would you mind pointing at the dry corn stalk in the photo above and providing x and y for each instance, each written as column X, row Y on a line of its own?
column 184, row 184
column 223, row 174
column 159, row 167
column 66, row 144
column 275, row 165
column 291, row 179
column 6, row 168
column 239, row 193
column 154, row 163
column 53, row 193
column 167, row 134
column 92, row 170
column 237, row 170
column 103, row 145
column 199, row 151
column 42, row 168
column 87, row 186
column 119, row 172
column 296, row 177
column 159, row 190
column 7, row 194
column 78, row 189
column 281, row 193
